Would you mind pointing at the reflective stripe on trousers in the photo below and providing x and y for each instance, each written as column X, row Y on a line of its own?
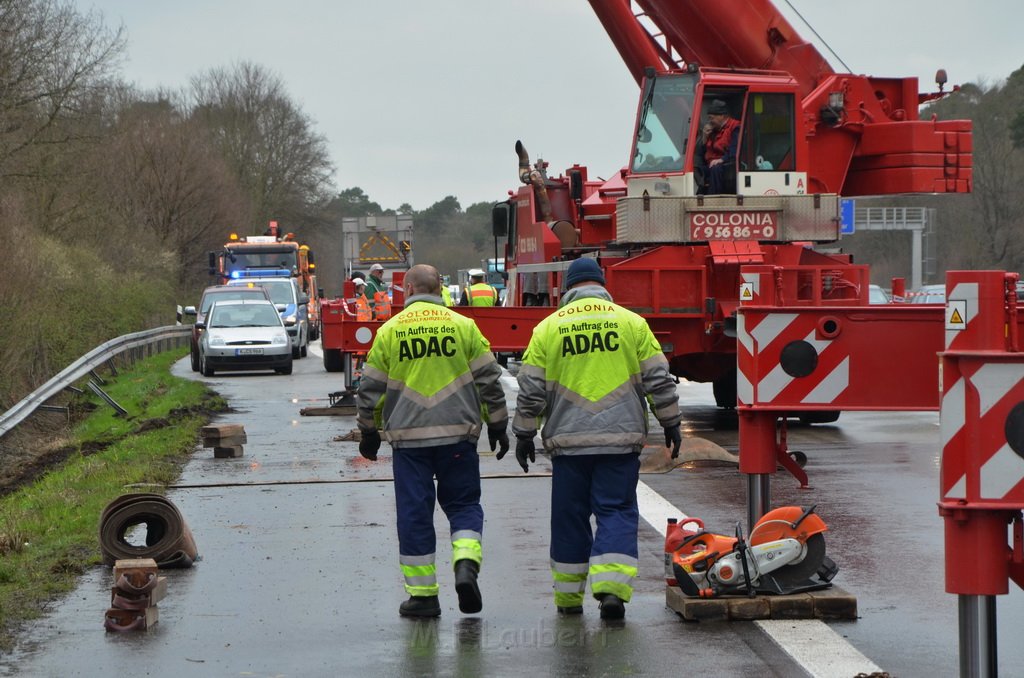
column 570, row 579
column 420, row 574
column 613, row 573
column 466, row 546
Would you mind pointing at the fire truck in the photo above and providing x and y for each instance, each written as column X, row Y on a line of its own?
column 672, row 251
column 269, row 254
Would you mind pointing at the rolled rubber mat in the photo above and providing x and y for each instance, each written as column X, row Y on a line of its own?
column 169, row 540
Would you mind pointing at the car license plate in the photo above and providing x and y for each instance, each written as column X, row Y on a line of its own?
column 248, row 351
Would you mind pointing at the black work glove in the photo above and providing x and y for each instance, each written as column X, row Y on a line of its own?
column 498, row 438
column 673, row 439
column 525, row 450
column 369, row 444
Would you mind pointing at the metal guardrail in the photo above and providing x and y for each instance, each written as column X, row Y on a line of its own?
column 86, row 364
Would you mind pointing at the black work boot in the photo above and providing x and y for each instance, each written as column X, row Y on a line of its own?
column 612, row 607
column 420, row 606
column 470, row 601
column 570, row 609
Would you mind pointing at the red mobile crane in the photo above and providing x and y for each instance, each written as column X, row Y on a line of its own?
column 673, row 253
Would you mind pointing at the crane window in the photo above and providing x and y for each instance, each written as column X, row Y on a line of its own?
column 664, row 123
column 768, row 133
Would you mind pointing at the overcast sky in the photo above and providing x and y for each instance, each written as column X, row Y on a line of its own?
column 419, row 100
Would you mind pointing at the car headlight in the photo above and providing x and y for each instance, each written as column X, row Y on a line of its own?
column 216, row 340
column 279, row 340
column 289, row 319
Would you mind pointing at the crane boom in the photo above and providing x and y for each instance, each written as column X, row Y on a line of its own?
column 747, row 34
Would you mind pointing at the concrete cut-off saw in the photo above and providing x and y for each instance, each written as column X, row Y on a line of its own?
column 784, row 553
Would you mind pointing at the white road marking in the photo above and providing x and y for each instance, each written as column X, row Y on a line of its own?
column 821, row 652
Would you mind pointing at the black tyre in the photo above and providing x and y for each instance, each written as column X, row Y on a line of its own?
column 205, row 367
column 724, row 389
column 287, row 369
column 332, row 360
column 194, row 357
column 825, row 417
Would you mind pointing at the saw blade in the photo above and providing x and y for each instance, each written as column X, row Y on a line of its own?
column 800, row 572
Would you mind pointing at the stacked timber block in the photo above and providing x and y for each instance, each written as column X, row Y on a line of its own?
column 225, row 439
column 137, row 589
column 828, row 603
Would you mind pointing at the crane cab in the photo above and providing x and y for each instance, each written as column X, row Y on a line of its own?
column 667, row 152
column 761, row 193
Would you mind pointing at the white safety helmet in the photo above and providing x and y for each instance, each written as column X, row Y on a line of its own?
column 476, row 273
column 358, row 282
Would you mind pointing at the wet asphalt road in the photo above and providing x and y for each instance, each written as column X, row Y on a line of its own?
column 299, row 574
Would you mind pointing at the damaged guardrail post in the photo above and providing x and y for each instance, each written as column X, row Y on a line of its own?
column 982, row 468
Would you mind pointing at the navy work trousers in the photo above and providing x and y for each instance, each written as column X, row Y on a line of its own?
column 457, row 469
column 600, row 484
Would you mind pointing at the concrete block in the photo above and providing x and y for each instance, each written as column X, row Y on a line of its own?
column 747, row 609
column 222, row 430
column 834, row 603
column 696, row 609
column 795, row 606
column 227, row 452
column 831, row 603
column 225, row 441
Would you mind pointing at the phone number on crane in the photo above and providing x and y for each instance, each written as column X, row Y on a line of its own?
column 733, row 226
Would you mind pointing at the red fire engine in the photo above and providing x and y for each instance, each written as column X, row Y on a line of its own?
column 270, row 253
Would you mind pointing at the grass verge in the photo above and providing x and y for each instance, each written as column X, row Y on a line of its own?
column 49, row 528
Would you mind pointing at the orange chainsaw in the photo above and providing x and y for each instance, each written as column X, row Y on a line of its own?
column 785, row 553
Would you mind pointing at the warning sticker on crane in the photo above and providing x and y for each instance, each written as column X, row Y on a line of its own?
column 746, row 291
column 956, row 312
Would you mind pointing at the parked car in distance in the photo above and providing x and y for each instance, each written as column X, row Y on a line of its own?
column 876, row 295
column 292, row 304
column 211, row 294
column 244, row 334
column 929, row 294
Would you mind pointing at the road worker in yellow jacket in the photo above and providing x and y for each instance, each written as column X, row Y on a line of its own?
column 479, row 293
column 430, row 383
column 589, row 373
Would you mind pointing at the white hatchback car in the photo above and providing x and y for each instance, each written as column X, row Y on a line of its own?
column 245, row 334
column 876, row 295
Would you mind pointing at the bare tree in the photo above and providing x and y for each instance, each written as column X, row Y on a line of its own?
column 268, row 142
column 164, row 178
column 52, row 61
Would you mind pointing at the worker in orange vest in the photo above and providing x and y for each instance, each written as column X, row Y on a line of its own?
column 363, row 311
column 377, row 293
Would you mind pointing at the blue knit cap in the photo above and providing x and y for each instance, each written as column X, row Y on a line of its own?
column 583, row 270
